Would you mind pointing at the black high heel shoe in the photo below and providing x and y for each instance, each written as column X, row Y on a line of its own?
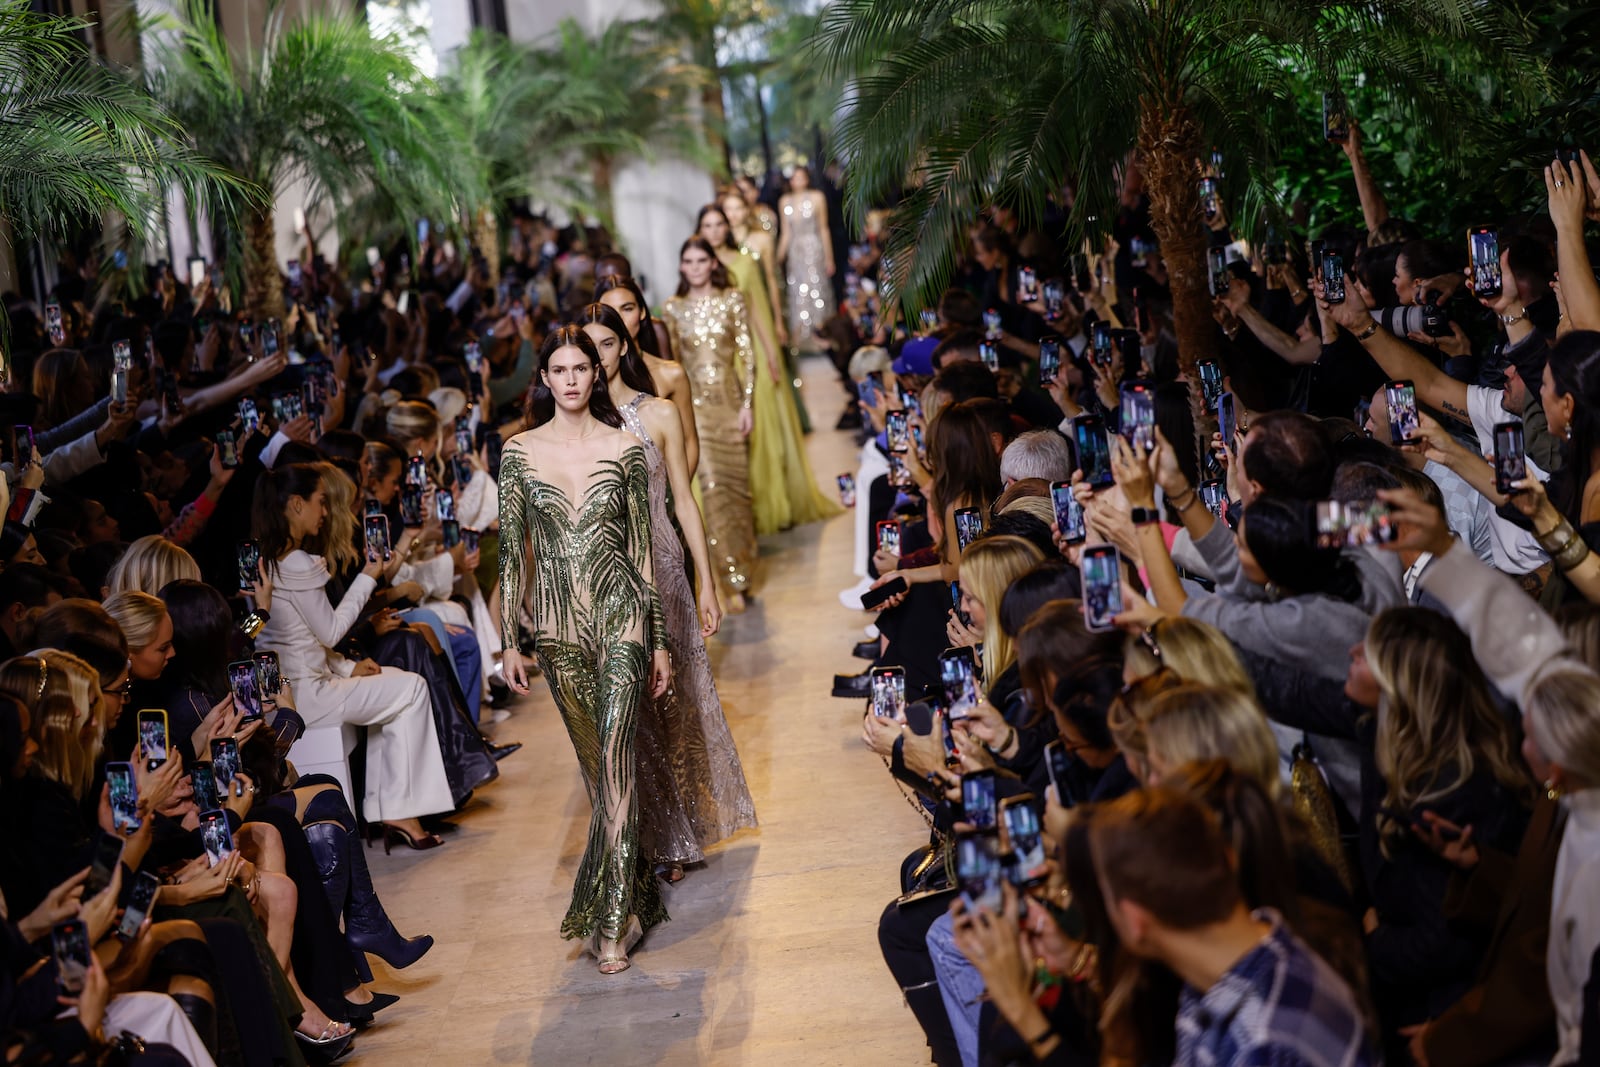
column 362, row 1015
column 393, row 835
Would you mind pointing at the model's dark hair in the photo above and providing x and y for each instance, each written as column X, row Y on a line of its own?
column 647, row 326
column 202, row 636
column 269, row 518
column 540, row 406
column 1575, row 371
column 719, row 273
column 1281, row 534
column 631, row 364
column 727, row 241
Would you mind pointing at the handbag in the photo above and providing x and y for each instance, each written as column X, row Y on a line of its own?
column 1312, row 800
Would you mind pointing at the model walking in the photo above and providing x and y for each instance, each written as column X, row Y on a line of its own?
column 692, row 791
column 711, row 334
column 785, row 490
column 575, row 499
column 806, row 248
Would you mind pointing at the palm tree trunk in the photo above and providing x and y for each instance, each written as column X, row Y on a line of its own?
column 604, row 200
column 1168, row 148
column 486, row 239
column 263, row 283
column 766, row 133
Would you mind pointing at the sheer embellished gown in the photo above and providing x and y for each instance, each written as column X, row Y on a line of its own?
column 597, row 619
column 806, row 271
column 711, row 336
column 691, row 785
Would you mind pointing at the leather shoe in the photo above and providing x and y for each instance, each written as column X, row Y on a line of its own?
column 866, row 650
column 854, row 686
column 500, row 752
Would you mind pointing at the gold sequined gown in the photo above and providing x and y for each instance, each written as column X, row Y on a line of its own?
column 711, row 338
column 597, row 619
column 692, row 791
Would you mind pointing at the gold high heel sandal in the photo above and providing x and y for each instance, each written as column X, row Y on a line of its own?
column 616, row 963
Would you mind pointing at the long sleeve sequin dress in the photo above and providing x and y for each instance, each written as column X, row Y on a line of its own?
column 711, row 337
column 692, row 791
column 597, row 619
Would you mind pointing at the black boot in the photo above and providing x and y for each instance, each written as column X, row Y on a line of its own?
column 367, row 927
column 202, row 1015
column 928, row 1006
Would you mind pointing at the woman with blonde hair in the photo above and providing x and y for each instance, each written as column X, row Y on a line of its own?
column 988, row 568
column 144, row 621
column 1196, row 650
column 414, row 426
column 62, row 694
column 149, row 564
column 1201, row 722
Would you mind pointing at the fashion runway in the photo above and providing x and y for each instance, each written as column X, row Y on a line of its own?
column 771, row 955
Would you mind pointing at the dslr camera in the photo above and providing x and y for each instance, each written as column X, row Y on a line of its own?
column 1425, row 318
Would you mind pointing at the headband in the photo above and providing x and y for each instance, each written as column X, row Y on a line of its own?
column 44, row 673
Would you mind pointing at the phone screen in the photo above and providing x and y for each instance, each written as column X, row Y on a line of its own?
column 991, row 325
column 958, row 673
column 1214, row 495
column 1058, row 765
column 1094, row 450
column 978, row 805
column 847, row 490
column 228, row 449
column 153, row 736
column 1139, row 416
column 1217, row 275
column 1210, row 382
column 249, row 415
column 1403, row 419
column 246, row 689
column 123, row 787
column 1055, row 298
column 410, row 505
column 969, row 524
column 1335, row 126
column 1510, row 457
column 268, row 673
column 1227, row 422
column 1023, row 831
column 899, row 473
column 377, row 535
column 1100, row 344
column 224, row 763
column 1332, row 278
column 1484, row 244
column 417, row 471
column 140, row 898
column 450, row 532
column 898, row 427
column 888, row 536
column 889, row 692
column 249, row 564
column 989, row 353
column 1049, row 360
column 1102, row 587
column 215, row 836
column 69, row 944
column 1069, row 513
column 978, row 870
column 202, row 778
column 1027, row 285
column 1340, row 525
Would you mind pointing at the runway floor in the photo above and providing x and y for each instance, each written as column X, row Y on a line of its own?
column 771, row 955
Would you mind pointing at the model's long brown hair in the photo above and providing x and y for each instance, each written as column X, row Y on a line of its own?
column 966, row 469
column 540, row 407
column 719, row 273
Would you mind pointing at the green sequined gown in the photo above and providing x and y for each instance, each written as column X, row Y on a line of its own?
column 597, row 619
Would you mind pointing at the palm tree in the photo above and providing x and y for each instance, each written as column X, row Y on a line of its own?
column 1012, row 101
column 318, row 99
column 78, row 138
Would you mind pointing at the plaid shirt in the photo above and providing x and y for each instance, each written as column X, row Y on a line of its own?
column 1279, row 1006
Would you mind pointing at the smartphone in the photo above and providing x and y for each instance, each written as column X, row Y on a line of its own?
column 119, row 385
column 22, row 443
column 1058, row 765
column 422, row 231
column 472, row 352
column 1069, row 513
column 246, row 687
column 293, row 406
column 203, row 780
column 1332, row 278
column 1214, row 495
column 123, row 785
column 1094, row 450
column 153, row 737
column 1483, row 244
column 229, row 449
column 958, row 671
column 1139, row 415
column 899, row 473
column 444, row 503
column 899, row 431
column 1209, row 205
column 247, row 331
column 416, row 471
column 989, row 353
column 978, row 869
column 1510, row 457
column 978, row 805
column 929, row 319
column 215, row 835
column 1101, row 570
column 1210, row 382
column 991, row 325
column 908, row 399
column 1218, row 278
column 1335, row 124
column 1403, row 419
column 1024, row 834
column 249, row 556
column 1100, row 344
column 107, row 855
column 847, row 490
column 269, row 673
column 888, row 535
column 53, row 323
column 224, row 763
column 889, row 692
column 1049, row 360
column 269, row 340
column 410, row 505
column 1055, row 299
column 373, row 258
column 376, row 528
column 450, row 532
column 1082, row 280
column 286, row 730
column 295, row 275
column 969, row 525
column 1227, row 421
column 69, row 945
column 1341, row 525
column 1027, row 285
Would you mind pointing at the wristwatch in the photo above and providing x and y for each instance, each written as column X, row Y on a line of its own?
column 1145, row 516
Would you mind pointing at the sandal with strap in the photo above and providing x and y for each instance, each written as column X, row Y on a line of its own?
column 617, row 962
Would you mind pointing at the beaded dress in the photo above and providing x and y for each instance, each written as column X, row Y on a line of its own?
column 810, row 290
column 711, row 337
column 597, row 618
column 692, row 791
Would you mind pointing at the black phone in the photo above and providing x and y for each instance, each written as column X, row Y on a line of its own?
column 1023, row 832
column 411, row 505
column 978, row 803
column 450, row 533
column 376, row 528
column 1483, row 245
column 140, row 899
column 1510, row 457
column 873, row 597
column 1218, row 277
column 1094, row 450
column 69, row 945
column 249, row 556
column 1101, row 569
column 153, row 737
column 1404, row 421
column 889, row 692
column 1139, row 415
column 955, row 603
column 898, row 428
column 1333, row 277
column 215, row 835
column 22, row 446
column 469, row 537
column 958, row 672
column 1069, row 513
column 286, row 730
column 947, row 735
column 203, row 780
column 1058, row 765
column 228, row 447
column 1082, row 280
column 888, row 535
column 1210, row 382
column 107, row 856
column 969, row 525
column 1314, row 250
column 1335, row 122
column 978, row 869
column 123, row 786
column 1100, row 344
column 1227, row 421
column 224, row 763
column 1049, row 360
column 246, row 689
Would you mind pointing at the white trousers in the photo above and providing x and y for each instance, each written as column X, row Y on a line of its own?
column 157, row 1020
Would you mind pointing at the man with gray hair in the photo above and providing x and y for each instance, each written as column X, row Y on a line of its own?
column 1037, row 454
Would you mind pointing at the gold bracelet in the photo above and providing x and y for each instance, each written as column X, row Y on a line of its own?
column 1368, row 332
column 1193, row 496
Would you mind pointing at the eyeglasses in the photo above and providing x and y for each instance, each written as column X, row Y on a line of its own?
column 121, row 692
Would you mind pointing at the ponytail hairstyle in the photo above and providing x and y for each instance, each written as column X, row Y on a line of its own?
column 540, row 405
column 647, row 339
column 269, row 510
column 631, row 364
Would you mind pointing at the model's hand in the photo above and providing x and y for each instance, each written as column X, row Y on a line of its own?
column 747, row 421
column 710, row 611
column 512, row 669
column 660, row 673
column 365, row 668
